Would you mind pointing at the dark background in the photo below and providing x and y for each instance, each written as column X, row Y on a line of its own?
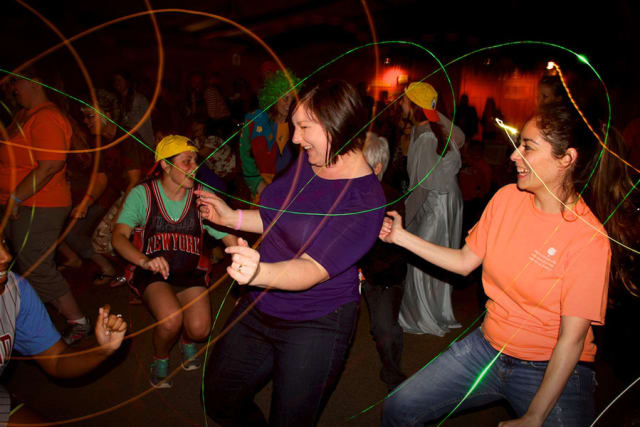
column 305, row 34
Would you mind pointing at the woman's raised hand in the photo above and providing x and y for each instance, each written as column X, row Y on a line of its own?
column 391, row 227
column 214, row 209
column 245, row 262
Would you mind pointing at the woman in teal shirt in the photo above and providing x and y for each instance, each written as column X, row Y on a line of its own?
column 166, row 252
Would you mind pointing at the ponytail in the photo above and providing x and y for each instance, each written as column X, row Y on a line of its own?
column 603, row 180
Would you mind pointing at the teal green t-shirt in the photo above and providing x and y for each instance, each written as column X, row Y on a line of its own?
column 134, row 211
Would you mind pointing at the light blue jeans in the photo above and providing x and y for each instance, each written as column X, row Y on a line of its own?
column 435, row 391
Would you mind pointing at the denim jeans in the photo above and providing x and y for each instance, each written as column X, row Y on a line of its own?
column 435, row 390
column 304, row 359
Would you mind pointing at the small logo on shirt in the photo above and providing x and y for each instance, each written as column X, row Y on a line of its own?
column 544, row 261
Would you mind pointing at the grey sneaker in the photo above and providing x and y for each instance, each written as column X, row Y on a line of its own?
column 74, row 332
column 159, row 373
column 189, row 360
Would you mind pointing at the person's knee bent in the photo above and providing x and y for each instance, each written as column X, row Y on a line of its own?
column 170, row 325
column 197, row 329
column 409, row 406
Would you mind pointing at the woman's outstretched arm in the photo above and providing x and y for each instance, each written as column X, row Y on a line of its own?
column 214, row 209
column 461, row 261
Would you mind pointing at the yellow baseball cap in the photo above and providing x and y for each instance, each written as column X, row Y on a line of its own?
column 171, row 145
column 425, row 96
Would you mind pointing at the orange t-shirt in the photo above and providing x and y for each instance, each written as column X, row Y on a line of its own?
column 44, row 127
column 537, row 267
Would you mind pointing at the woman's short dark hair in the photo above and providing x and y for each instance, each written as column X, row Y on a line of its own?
column 338, row 107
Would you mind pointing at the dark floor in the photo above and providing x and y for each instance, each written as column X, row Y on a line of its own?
column 119, row 393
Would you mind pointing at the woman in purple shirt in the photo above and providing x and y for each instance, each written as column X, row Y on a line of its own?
column 301, row 309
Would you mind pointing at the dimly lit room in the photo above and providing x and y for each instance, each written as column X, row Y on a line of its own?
column 154, row 153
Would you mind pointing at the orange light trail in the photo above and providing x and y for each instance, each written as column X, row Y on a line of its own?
column 124, row 18
column 66, row 42
column 566, row 88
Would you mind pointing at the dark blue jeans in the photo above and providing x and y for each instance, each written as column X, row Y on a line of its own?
column 434, row 391
column 304, row 360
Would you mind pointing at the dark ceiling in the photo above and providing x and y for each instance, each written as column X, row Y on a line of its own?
column 608, row 35
column 293, row 22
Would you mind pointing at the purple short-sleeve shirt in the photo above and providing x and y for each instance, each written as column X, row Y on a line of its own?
column 335, row 242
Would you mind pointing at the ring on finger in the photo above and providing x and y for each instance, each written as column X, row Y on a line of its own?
column 239, row 268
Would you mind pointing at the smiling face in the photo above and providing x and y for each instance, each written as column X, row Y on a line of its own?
column 310, row 135
column 535, row 154
column 183, row 169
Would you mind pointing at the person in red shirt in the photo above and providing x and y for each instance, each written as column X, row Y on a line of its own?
column 546, row 263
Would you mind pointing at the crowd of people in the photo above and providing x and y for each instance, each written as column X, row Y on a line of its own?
column 150, row 210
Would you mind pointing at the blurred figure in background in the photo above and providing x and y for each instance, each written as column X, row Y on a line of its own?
column 88, row 177
column 383, row 270
column 217, row 109
column 265, row 149
column 491, row 133
column 551, row 91
column 467, row 117
column 133, row 106
column 433, row 212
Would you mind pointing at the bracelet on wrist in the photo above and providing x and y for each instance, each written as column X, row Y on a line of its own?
column 15, row 199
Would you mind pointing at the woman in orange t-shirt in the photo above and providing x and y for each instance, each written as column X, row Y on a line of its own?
column 546, row 261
